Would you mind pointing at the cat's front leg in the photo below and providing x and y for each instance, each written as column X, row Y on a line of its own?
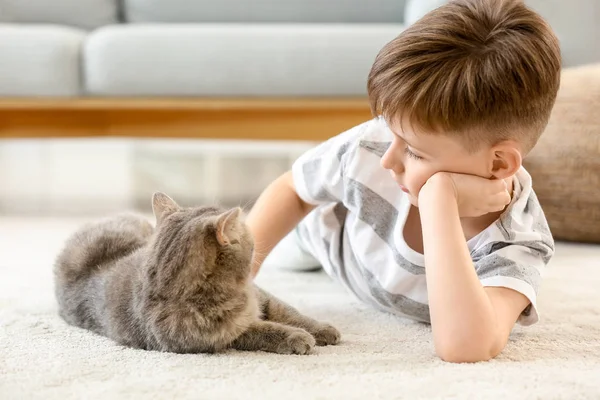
column 275, row 338
column 276, row 310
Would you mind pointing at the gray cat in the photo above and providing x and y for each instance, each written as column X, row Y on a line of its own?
column 182, row 287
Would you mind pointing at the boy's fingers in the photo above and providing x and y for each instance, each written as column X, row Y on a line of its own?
column 502, row 199
column 496, row 186
column 501, row 188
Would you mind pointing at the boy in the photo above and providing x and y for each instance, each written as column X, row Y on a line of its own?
column 425, row 211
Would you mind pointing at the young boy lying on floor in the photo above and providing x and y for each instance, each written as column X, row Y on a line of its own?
column 425, row 211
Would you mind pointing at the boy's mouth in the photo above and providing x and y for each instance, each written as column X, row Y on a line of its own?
column 403, row 188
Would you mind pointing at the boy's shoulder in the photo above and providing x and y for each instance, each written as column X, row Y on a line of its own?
column 373, row 130
column 346, row 165
column 376, row 130
column 372, row 137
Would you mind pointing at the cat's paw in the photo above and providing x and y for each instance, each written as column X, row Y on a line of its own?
column 327, row 335
column 297, row 342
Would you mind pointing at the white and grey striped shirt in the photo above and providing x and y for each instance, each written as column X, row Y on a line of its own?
column 356, row 232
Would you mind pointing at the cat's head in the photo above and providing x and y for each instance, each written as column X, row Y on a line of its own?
column 204, row 245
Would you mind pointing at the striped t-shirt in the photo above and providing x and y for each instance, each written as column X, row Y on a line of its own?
column 356, row 232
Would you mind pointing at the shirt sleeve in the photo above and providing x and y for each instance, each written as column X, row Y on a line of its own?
column 517, row 266
column 319, row 173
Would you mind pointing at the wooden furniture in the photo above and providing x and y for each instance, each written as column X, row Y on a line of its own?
column 313, row 119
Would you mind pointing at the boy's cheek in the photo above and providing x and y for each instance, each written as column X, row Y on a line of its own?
column 418, row 183
column 414, row 194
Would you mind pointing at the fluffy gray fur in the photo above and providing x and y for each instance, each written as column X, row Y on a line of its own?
column 182, row 287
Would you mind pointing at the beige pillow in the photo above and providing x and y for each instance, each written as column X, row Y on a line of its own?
column 565, row 164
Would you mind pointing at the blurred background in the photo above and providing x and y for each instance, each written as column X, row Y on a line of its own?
column 103, row 102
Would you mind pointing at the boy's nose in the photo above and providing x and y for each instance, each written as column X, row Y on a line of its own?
column 388, row 161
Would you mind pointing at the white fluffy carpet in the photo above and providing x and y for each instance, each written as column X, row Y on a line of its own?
column 380, row 356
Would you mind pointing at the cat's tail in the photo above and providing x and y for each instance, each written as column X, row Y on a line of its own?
column 98, row 244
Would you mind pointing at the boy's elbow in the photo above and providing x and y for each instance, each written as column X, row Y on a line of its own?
column 468, row 351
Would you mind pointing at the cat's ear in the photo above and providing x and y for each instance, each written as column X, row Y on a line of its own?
column 228, row 227
column 163, row 206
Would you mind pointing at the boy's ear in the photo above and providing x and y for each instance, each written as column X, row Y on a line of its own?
column 505, row 159
column 163, row 206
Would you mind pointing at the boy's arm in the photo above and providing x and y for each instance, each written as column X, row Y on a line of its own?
column 470, row 323
column 276, row 212
column 316, row 178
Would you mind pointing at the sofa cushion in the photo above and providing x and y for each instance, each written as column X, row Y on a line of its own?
column 237, row 60
column 80, row 13
column 565, row 165
column 264, row 11
column 40, row 60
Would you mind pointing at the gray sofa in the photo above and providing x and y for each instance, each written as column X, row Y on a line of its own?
column 58, row 58
column 192, row 47
column 222, row 48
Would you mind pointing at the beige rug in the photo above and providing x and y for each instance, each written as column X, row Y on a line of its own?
column 380, row 357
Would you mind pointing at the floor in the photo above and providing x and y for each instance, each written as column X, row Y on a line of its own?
column 380, row 356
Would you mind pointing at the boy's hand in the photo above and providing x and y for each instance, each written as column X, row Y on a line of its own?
column 475, row 196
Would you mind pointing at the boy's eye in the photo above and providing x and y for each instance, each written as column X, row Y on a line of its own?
column 411, row 154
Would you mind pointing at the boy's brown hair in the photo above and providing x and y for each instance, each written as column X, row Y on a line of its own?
column 487, row 70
